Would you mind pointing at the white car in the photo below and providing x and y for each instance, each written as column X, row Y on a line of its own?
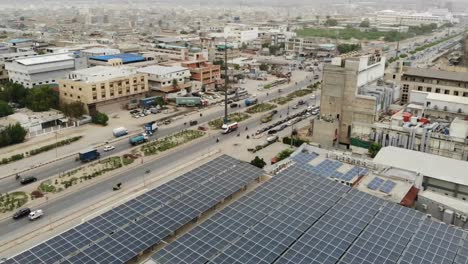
column 108, row 148
column 35, row 214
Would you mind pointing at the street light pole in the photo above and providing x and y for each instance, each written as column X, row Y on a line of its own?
column 226, row 79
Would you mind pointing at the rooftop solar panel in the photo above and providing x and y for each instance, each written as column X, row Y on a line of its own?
column 112, row 237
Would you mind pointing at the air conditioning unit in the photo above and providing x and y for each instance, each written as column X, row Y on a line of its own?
column 441, row 208
column 463, row 218
column 457, row 215
column 424, row 206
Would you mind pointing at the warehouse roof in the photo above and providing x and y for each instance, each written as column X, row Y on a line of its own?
column 41, row 59
column 429, row 165
column 125, row 57
column 437, row 74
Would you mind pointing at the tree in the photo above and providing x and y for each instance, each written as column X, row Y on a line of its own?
column 331, row 22
column 263, row 67
column 174, row 83
column 258, row 162
column 13, row 92
column 41, row 99
column 5, row 109
column 345, row 48
column 236, row 67
column 365, row 23
column 12, row 134
column 74, row 109
column 100, row 118
column 374, row 149
column 183, row 32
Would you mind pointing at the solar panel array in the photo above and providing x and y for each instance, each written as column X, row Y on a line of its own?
column 388, row 186
column 327, row 168
column 375, row 183
column 261, row 225
column 120, row 234
column 298, row 217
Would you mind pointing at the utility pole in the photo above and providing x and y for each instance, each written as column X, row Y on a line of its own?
column 399, row 37
column 226, row 79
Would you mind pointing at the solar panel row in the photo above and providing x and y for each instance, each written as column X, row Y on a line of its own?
column 120, row 234
column 297, row 217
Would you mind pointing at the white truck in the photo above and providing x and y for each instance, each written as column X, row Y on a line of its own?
column 120, row 131
column 228, row 128
column 35, row 214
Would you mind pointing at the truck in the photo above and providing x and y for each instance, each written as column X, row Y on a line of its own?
column 89, row 155
column 137, row 140
column 151, row 127
column 228, row 128
column 250, row 101
column 190, row 101
column 119, row 131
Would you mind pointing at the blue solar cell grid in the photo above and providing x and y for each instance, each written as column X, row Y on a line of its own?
column 388, row 186
column 375, row 183
column 117, row 236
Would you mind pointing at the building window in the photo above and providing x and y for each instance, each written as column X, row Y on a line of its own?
column 127, row 82
column 420, row 88
column 79, row 97
column 447, row 92
column 65, row 94
column 465, row 94
column 428, row 89
column 94, row 89
column 437, row 90
column 111, row 94
column 455, row 93
column 79, row 88
column 94, row 97
column 405, row 88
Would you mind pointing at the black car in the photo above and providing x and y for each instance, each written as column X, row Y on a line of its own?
column 193, row 122
column 28, row 180
column 233, row 105
column 21, row 213
column 272, row 131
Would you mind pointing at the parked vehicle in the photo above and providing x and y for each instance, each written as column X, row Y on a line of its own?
column 28, row 180
column 272, row 131
column 117, row 187
column 35, row 214
column 108, row 148
column 228, row 128
column 151, row 127
column 154, row 110
column 120, row 131
column 89, row 155
column 138, row 140
column 249, row 101
column 23, row 212
column 193, row 122
column 234, row 105
column 272, row 138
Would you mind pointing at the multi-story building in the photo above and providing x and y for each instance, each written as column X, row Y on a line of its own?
column 345, row 99
column 178, row 53
column 16, row 45
column 43, row 69
column 217, row 53
column 433, row 81
column 102, row 87
column 308, row 47
column 8, row 57
column 389, row 17
column 166, row 79
column 207, row 74
column 240, row 33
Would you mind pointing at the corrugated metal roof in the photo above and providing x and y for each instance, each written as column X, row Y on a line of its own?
column 125, row 57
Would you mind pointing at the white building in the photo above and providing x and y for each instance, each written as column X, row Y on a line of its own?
column 43, row 69
column 162, row 78
column 390, row 17
column 8, row 57
column 99, row 52
column 241, row 33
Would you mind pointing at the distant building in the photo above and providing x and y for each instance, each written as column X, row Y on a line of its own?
column 102, row 86
column 99, row 52
column 16, row 45
column 435, row 16
column 349, row 95
column 240, row 33
column 166, row 79
column 433, row 81
column 43, row 69
column 116, row 59
column 207, row 74
column 217, row 53
column 307, row 47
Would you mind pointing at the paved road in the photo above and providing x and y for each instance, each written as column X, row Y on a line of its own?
column 10, row 229
column 10, row 184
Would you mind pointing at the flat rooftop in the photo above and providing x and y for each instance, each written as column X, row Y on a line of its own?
column 161, row 70
column 447, row 98
column 437, row 74
column 100, row 73
column 125, row 57
column 42, row 59
column 429, row 165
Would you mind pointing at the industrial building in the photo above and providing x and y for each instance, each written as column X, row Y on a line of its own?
column 433, row 81
column 128, row 59
column 43, row 69
column 443, row 185
column 352, row 91
column 166, row 79
column 8, row 57
column 103, row 86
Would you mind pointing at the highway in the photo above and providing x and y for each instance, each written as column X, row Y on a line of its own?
column 44, row 172
column 76, row 201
